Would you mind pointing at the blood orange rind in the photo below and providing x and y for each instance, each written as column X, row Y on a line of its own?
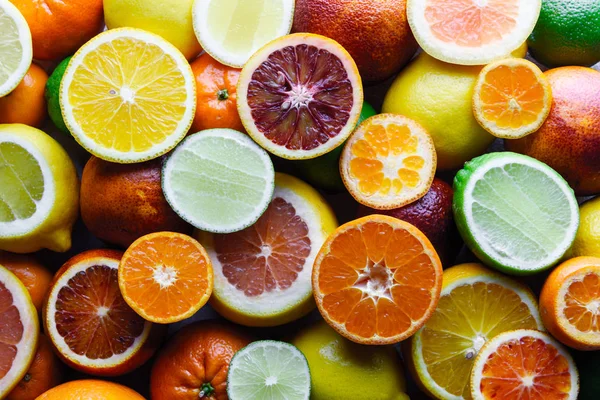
column 277, row 306
column 375, row 283
column 513, row 339
column 280, row 93
column 440, row 31
column 12, row 287
column 113, row 365
column 398, row 151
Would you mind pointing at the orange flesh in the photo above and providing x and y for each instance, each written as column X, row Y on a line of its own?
column 166, row 275
column 379, row 145
column 376, row 280
column 92, row 316
column 583, row 303
column 471, row 23
column 512, row 97
column 527, row 358
column 268, row 255
column 11, row 330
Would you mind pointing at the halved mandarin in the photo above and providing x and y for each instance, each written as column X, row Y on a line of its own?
column 377, row 280
column 166, row 277
column 512, row 98
column 388, row 162
column 524, row 365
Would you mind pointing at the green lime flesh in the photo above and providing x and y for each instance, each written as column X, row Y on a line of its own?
column 21, row 181
column 271, row 370
column 524, row 216
column 53, row 93
column 567, row 33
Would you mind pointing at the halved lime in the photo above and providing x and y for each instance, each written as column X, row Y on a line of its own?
column 219, row 180
column 514, row 212
column 268, row 369
column 16, row 50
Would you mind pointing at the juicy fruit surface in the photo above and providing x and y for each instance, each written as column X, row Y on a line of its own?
column 120, row 109
column 504, row 196
column 567, row 33
column 569, row 140
column 388, row 162
column 340, row 368
column 377, row 280
column 475, row 305
column 512, row 98
column 91, row 390
column 16, row 47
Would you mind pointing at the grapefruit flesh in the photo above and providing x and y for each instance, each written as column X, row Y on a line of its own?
column 11, row 333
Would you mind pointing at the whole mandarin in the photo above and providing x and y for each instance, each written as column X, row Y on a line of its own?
column 26, row 103
column 34, row 275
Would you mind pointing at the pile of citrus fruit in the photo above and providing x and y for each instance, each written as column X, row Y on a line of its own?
column 299, row 199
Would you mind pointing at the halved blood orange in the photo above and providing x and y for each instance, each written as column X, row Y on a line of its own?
column 472, row 32
column 524, row 365
column 377, row 280
column 166, row 277
column 262, row 273
column 88, row 322
column 19, row 331
column 388, row 162
column 300, row 96
column 512, row 98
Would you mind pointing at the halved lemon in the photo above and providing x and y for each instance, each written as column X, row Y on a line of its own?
column 128, row 96
column 472, row 32
column 16, row 51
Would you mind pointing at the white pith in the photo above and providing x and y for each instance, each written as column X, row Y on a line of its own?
column 44, row 206
column 591, row 337
column 128, row 95
column 59, row 340
column 24, row 35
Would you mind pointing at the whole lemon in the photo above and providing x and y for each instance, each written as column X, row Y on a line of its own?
column 439, row 95
column 170, row 19
column 341, row 369
column 587, row 240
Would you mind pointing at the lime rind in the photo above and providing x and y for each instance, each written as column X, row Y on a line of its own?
column 269, row 369
column 13, row 71
column 219, row 180
column 515, row 213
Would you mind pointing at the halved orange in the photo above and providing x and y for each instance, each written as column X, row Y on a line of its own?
column 570, row 303
column 377, row 280
column 526, row 365
column 166, row 277
column 19, row 331
column 89, row 324
column 512, row 98
column 388, row 162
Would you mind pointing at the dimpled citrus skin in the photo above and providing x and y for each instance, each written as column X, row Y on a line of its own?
column 90, row 389
column 569, row 140
column 587, row 240
column 122, row 202
column 376, row 34
column 31, row 273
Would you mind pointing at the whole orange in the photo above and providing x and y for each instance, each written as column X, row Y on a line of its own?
column 60, row 27
column 195, row 362
column 569, row 140
column 90, row 389
column 216, row 104
column 26, row 103
column 123, row 202
column 375, row 33
column 44, row 373
column 34, row 275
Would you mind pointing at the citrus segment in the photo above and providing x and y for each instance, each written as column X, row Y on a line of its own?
column 231, row 30
column 475, row 305
column 262, row 273
column 165, row 277
column 128, row 96
column 377, row 280
column 512, row 98
column 16, row 49
column 472, row 32
column 19, row 333
column 524, row 364
column 300, row 96
column 388, row 162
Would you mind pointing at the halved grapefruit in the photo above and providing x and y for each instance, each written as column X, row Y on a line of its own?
column 300, row 96
column 472, row 32
column 88, row 322
column 262, row 274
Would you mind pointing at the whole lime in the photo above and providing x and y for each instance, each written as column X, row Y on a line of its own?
column 52, row 95
column 567, row 33
column 342, row 370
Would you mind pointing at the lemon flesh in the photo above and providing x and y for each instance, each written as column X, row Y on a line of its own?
column 15, row 47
